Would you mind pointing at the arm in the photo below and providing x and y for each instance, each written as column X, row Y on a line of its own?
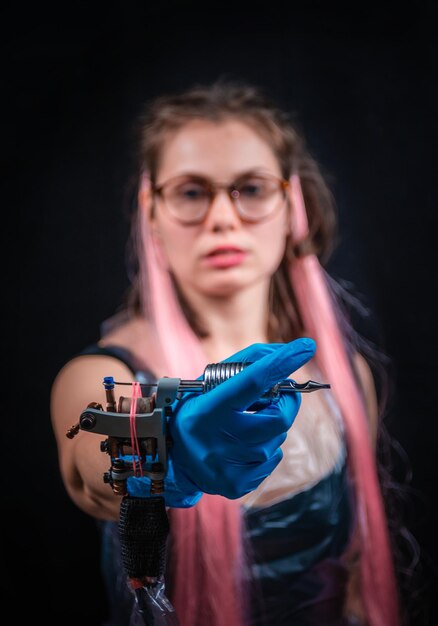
column 82, row 464
column 369, row 393
column 218, row 447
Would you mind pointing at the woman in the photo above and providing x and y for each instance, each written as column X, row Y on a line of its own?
column 233, row 221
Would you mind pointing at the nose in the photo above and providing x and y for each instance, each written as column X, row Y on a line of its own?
column 222, row 214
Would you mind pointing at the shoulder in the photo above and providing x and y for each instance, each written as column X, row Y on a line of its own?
column 89, row 368
column 77, row 384
column 80, row 381
column 367, row 385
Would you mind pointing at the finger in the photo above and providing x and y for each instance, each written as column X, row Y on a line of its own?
column 244, row 388
column 253, row 352
column 254, row 453
column 257, row 473
column 273, row 420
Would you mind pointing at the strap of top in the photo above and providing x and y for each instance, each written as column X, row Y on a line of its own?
column 125, row 356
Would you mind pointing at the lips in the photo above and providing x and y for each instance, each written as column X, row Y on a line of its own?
column 224, row 256
column 224, row 250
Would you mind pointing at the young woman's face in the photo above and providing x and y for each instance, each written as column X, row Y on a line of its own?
column 222, row 254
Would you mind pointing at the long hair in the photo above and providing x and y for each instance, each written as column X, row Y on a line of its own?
column 205, row 579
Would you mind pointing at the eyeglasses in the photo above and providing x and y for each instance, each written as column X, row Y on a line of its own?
column 255, row 196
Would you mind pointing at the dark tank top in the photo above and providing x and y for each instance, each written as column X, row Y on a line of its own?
column 296, row 574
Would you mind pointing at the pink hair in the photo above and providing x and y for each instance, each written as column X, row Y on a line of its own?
column 379, row 589
column 207, row 553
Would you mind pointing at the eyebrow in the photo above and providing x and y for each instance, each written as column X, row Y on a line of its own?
column 243, row 174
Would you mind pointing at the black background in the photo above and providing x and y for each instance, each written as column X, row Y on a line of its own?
column 362, row 84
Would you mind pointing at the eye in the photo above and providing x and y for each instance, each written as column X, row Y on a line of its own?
column 254, row 188
column 191, row 191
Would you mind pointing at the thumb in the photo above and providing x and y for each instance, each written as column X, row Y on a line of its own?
column 246, row 387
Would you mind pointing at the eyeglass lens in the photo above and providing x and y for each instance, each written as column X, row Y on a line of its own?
column 189, row 199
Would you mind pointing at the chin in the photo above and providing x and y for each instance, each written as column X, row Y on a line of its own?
column 226, row 287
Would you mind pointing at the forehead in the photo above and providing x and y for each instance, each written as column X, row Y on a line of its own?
column 218, row 150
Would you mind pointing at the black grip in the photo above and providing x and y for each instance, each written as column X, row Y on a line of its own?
column 143, row 532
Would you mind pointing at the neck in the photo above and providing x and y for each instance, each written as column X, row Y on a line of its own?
column 233, row 322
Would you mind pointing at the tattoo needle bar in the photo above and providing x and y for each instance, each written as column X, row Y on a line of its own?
column 217, row 373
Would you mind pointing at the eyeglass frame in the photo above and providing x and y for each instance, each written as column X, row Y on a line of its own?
column 214, row 188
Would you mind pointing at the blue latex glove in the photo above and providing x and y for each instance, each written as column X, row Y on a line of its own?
column 182, row 495
column 218, row 447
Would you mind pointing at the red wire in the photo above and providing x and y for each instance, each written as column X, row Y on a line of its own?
column 136, row 393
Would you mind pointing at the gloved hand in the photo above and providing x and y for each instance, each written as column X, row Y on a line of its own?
column 218, row 447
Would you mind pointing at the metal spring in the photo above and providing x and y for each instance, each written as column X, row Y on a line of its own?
column 216, row 373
